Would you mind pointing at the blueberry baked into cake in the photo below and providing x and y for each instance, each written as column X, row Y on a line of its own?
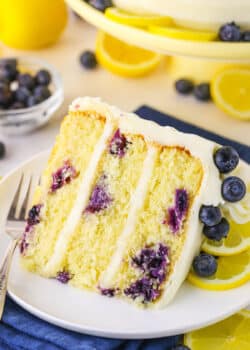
column 123, row 203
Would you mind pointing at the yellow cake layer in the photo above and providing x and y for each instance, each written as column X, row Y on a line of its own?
column 76, row 142
column 95, row 238
column 174, row 169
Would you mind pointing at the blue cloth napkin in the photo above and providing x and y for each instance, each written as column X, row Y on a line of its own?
column 19, row 330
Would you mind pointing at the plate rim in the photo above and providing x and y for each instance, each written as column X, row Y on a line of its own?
column 97, row 331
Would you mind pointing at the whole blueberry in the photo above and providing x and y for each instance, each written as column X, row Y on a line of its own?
column 230, row 32
column 8, row 73
column 246, row 36
column 42, row 92
column 5, row 95
column 202, row 92
column 233, row 189
column 88, row 60
column 33, row 100
column 205, row 265
column 17, row 105
column 2, row 150
column 26, row 80
column 218, row 231
column 180, row 347
column 226, row 159
column 210, row 215
column 22, row 94
column 184, row 86
column 43, row 77
column 101, row 5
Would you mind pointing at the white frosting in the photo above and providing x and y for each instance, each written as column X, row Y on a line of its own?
column 136, row 204
column 210, row 190
column 194, row 13
column 80, row 204
column 240, row 211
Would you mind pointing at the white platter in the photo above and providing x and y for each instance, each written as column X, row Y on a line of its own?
column 86, row 312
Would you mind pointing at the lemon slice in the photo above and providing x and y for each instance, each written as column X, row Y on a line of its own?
column 183, row 34
column 124, row 59
column 130, row 19
column 233, row 271
column 237, row 241
column 230, row 334
column 230, row 89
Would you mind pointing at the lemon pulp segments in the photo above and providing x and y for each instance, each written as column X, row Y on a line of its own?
column 230, row 334
column 230, row 89
column 124, row 59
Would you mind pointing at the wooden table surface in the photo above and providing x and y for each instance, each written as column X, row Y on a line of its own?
column 155, row 90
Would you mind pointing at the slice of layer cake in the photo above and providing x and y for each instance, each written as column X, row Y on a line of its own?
column 117, row 211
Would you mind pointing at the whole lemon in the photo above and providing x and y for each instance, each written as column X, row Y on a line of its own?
column 31, row 24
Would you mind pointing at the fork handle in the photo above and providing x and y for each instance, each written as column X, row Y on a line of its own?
column 4, row 273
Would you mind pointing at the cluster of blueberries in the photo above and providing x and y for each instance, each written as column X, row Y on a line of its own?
column 22, row 90
column 216, row 227
column 232, row 32
column 200, row 91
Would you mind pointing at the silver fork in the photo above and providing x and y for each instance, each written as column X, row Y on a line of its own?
column 15, row 225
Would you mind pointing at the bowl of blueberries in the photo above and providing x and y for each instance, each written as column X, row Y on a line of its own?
column 30, row 93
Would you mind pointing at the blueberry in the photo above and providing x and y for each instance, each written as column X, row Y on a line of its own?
column 8, row 73
column 33, row 100
column 210, row 215
column 22, row 94
column 17, row 105
column 205, row 265
column 184, row 86
column 2, row 150
column 233, row 189
column 218, row 231
column 88, row 60
column 43, row 77
column 226, row 159
column 246, row 36
column 202, row 92
column 230, row 32
column 42, row 92
column 181, row 347
column 26, row 80
column 101, row 5
column 5, row 95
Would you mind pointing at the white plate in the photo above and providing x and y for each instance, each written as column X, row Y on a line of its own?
column 94, row 314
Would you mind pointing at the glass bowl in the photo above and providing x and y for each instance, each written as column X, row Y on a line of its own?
column 20, row 121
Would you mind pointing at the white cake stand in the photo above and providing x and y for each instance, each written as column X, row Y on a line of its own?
column 219, row 51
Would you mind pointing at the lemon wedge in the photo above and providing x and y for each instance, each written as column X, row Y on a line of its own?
column 183, row 33
column 230, row 89
column 233, row 271
column 124, row 59
column 130, row 19
column 237, row 241
column 230, row 334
